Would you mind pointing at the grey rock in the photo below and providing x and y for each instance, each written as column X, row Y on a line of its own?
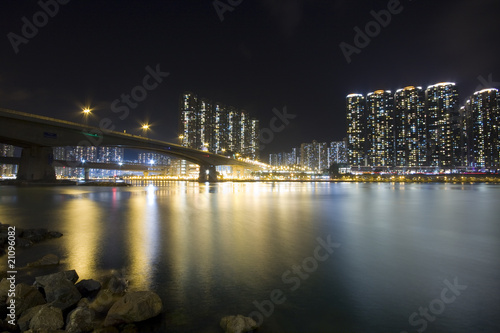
column 46, row 260
column 35, row 235
column 133, row 307
column 83, row 303
column 116, row 283
column 104, row 300
column 238, row 324
column 88, row 287
column 47, row 318
column 24, row 321
column 60, row 292
column 26, row 297
column 42, row 281
column 80, row 320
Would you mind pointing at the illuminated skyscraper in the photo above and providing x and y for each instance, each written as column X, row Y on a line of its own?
column 337, row 153
column 356, row 129
column 380, row 128
column 188, row 121
column 410, row 127
column 443, row 126
column 482, row 113
column 217, row 128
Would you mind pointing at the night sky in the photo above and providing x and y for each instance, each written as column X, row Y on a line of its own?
column 265, row 54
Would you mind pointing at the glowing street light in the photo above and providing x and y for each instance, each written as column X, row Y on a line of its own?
column 145, row 129
column 86, row 113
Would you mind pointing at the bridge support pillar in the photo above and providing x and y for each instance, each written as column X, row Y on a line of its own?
column 36, row 164
column 207, row 174
column 86, row 173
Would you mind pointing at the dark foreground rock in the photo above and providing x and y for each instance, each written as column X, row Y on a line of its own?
column 47, row 317
column 88, row 287
column 238, row 324
column 26, row 297
column 80, row 319
column 134, row 307
column 46, row 260
column 59, row 288
column 24, row 237
column 55, row 304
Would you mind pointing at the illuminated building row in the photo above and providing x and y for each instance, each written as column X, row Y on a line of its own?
column 481, row 135
column 87, row 154
column 217, row 128
column 411, row 128
column 317, row 156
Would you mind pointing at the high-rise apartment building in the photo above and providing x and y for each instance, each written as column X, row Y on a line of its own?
column 482, row 121
column 337, row 153
column 410, row 130
column 356, row 129
column 217, row 128
column 380, row 128
column 443, row 125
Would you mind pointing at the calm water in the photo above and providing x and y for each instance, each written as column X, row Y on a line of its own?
column 214, row 250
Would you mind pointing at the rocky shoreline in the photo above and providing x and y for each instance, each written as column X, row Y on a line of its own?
column 62, row 302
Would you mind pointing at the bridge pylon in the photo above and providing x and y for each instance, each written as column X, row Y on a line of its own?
column 207, row 174
column 36, row 164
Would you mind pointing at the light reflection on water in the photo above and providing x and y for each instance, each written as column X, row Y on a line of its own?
column 213, row 249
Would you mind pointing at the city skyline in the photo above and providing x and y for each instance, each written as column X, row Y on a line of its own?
column 95, row 54
column 419, row 129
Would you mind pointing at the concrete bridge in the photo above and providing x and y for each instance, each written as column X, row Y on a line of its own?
column 37, row 135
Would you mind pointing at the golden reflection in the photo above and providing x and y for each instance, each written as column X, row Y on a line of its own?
column 143, row 237
column 82, row 217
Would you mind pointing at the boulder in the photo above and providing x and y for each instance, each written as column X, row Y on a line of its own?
column 83, row 303
column 47, row 318
column 42, row 281
column 238, row 324
column 88, row 287
column 60, row 292
column 24, row 321
column 104, row 300
column 116, row 283
column 133, row 307
column 35, row 235
column 80, row 320
column 46, row 260
column 26, row 297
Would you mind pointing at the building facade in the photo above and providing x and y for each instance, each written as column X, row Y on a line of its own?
column 356, row 129
column 217, row 128
column 443, row 126
column 410, row 127
column 482, row 121
column 380, row 128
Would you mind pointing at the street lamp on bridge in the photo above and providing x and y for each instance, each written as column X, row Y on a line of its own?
column 86, row 113
column 145, row 129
